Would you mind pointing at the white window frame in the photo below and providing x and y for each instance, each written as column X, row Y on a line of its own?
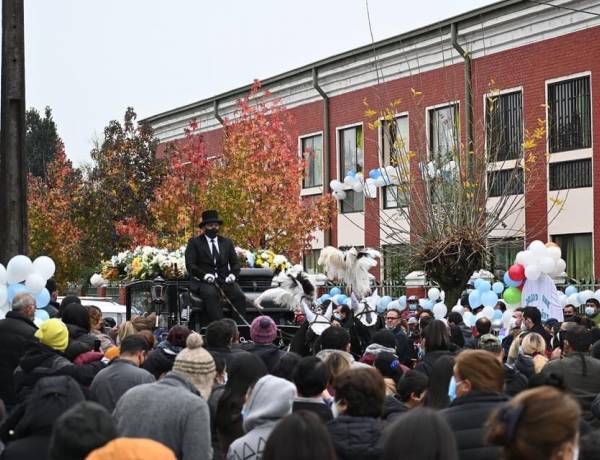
column 338, row 162
column 319, row 188
column 427, row 123
column 381, row 159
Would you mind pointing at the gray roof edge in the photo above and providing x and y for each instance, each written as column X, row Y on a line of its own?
column 464, row 17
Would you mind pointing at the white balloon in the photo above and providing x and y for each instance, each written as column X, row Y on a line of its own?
column 532, row 272
column 478, row 316
column 547, row 265
column 563, row 299
column 561, row 266
column 538, row 248
column 3, row 294
column 573, row 299
column 380, row 182
column 358, row 186
column 394, row 305
column 336, row 185
column 349, row 180
column 433, row 294
column 520, row 259
column 44, row 266
column 488, row 312
column 35, row 283
column 458, row 309
column 3, row 275
column 339, row 195
column 554, row 252
column 439, row 310
column 371, row 190
column 468, row 318
column 529, row 258
column 506, row 317
column 19, row 267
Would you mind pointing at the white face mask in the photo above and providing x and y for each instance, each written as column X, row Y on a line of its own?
column 575, row 453
column 334, row 410
column 589, row 311
column 512, row 323
column 524, row 327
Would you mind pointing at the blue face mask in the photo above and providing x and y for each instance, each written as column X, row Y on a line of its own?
column 452, row 389
column 338, row 316
column 412, row 306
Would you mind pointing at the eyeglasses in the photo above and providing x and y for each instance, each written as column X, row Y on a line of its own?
column 392, row 318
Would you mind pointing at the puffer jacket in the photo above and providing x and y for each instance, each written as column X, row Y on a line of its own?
column 524, row 364
column 429, row 360
column 161, row 360
column 356, row 438
column 467, row 417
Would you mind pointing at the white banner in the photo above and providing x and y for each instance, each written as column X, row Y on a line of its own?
column 542, row 293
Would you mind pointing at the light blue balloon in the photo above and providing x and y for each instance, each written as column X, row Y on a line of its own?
column 41, row 315
column 383, row 302
column 374, row 173
column 351, row 173
column 489, row 299
column 348, row 301
column 497, row 314
column 582, row 297
column 509, row 281
column 427, row 304
column 475, row 299
column 335, row 291
column 42, row 298
column 477, row 283
column 402, row 300
column 325, row 297
column 570, row 290
column 484, row 286
column 14, row 289
column 498, row 287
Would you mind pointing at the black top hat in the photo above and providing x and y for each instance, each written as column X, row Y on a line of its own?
column 210, row 216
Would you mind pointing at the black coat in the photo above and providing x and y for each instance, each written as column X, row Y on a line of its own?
column 16, row 332
column 356, row 438
column 402, row 346
column 269, row 353
column 322, row 410
column 514, row 381
column 42, row 361
column 160, row 361
column 429, row 360
column 467, row 417
column 392, row 407
column 199, row 260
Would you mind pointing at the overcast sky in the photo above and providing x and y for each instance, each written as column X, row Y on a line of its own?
column 90, row 59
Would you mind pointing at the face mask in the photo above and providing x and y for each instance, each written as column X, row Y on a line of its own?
column 589, row 311
column 338, row 316
column 452, row 389
column 389, row 326
column 225, row 377
column 211, row 232
column 575, row 453
column 412, row 306
column 334, row 410
column 512, row 324
column 524, row 327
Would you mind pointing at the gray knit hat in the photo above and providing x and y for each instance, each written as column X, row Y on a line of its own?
column 196, row 364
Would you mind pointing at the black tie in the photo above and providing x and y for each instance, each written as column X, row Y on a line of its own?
column 215, row 253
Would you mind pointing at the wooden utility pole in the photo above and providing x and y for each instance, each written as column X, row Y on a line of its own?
column 13, row 166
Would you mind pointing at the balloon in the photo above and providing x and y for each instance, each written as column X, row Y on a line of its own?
column 497, row 314
column 325, row 297
column 474, row 299
column 520, row 259
column 14, row 289
column 506, row 317
column 533, row 272
column 547, row 265
column 41, row 316
column 42, row 298
column 3, row 274
column 394, row 304
column 570, row 290
column 478, row 282
column 498, row 287
column 563, row 299
column 349, row 180
column 339, row 195
column 336, row 185
column 468, row 319
column 433, row 294
column 427, row 304
column 509, row 281
column 552, row 244
column 44, row 266
column 402, row 301
column 374, row 173
column 488, row 312
column 585, row 295
column 335, row 291
column 351, row 173
column 512, row 296
column 439, row 311
column 358, row 186
column 384, row 301
column 35, row 283
column 529, row 258
column 554, row 252
column 3, row 294
column 18, row 268
column 489, row 299
column 516, row 272
column 573, row 299
column 484, row 286
column 561, row 266
column 538, row 248
column 458, row 309
column 348, row 301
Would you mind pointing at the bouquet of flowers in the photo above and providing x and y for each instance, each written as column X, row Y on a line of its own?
column 263, row 259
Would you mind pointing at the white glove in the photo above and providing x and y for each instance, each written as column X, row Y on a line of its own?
column 230, row 278
column 209, row 278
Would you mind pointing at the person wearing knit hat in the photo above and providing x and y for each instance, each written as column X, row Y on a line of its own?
column 54, row 334
column 173, row 411
column 132, row 449
column 263, row 331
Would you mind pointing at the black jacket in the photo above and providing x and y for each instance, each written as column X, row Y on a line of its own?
column 467, row 417
column 392, row 407
column 42, row 361
column 429, row 360
column 160, row 361
column 16, row 332
column 356, row 438
column 320, row 409
column 80, row 341
column 199, row 261
column 269, row 353
column 514, row 381
column 402, row 346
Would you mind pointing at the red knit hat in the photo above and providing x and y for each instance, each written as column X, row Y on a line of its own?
column 263, row 330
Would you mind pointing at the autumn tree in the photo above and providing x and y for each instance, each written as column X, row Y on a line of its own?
column 41, row 137
column 119, row 185
column 53, row 228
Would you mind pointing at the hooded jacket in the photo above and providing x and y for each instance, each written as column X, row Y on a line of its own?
column 356, row 438
column 161, row 360
column 270, row 401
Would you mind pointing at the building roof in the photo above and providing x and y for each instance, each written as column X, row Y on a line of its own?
column 494, row 9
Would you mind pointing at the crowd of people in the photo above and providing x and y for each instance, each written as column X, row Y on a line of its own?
column 410, row 387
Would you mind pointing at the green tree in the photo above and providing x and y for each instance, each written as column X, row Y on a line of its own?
column 41, row 137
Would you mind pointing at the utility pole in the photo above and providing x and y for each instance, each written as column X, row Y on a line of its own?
column 13, row 167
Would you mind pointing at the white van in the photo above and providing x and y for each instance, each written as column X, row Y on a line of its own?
column 109, row 308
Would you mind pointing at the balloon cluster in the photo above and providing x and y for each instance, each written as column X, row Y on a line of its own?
column 336, row 296
column 23, row 275
column 379, row 177
column 572, row 296
column 485, row 293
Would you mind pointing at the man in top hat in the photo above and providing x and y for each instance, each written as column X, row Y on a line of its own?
column 213, row 266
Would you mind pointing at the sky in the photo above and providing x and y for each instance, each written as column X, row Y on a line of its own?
column 91, row 59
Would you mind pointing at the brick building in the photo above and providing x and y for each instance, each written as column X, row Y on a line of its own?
column 544, row 59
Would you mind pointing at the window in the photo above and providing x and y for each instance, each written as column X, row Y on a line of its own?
column 504, row 126
column 577, row 253
column 396, row 265
column 505, row 182
column 571, row 174
column 394, row 137
column 312, row 152
column 311, row 259
column 351, row 159
column 569, row 115
column 443, row 133
column 504, row 252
